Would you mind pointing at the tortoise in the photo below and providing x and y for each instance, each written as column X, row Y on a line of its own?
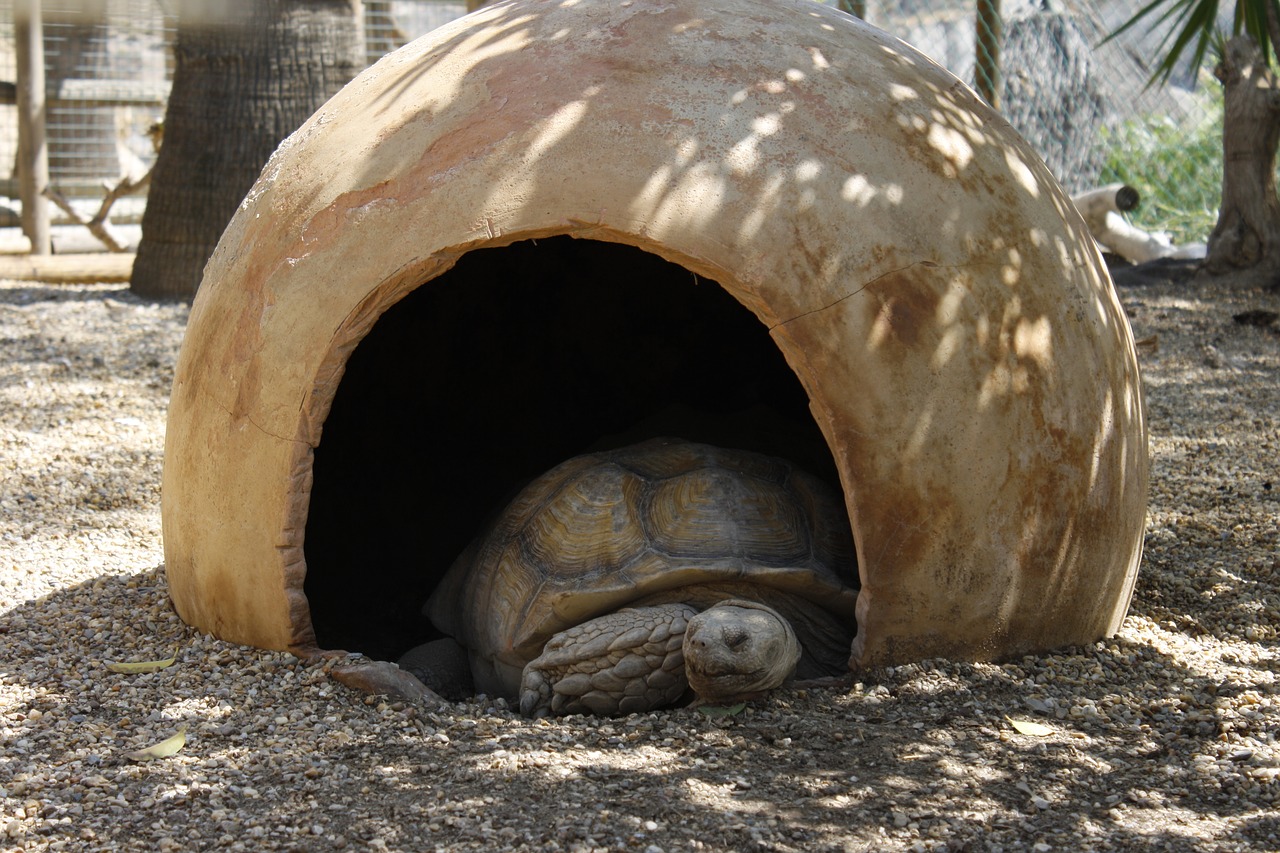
column 621, row 580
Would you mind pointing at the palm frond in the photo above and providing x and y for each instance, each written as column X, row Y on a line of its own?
column 1251, row 18
column 1193, row 25
column 1135, row 20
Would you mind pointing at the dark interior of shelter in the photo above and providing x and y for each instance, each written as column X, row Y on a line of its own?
column 513, row 361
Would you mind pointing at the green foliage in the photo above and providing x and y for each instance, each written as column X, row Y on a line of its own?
column 1177, row 169
column 1179, row 172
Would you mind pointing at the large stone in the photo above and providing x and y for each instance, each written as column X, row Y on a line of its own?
column 929, row 284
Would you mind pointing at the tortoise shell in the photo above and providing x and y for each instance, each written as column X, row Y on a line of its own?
column 662, row 521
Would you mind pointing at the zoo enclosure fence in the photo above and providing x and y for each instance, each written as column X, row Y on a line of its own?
column 1083, row 104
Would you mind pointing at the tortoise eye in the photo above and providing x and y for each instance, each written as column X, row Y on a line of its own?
column 735, row 639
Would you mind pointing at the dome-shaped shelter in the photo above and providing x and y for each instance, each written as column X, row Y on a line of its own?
column 553, row 226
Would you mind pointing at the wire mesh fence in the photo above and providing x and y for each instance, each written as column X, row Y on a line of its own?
column 1083, row 103
column 1081, row 100
column 108, row 64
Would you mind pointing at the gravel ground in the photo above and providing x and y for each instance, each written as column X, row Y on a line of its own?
column 1162, row 738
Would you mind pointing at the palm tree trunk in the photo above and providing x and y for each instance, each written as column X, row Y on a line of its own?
column 242, row 82
column 1247, row 236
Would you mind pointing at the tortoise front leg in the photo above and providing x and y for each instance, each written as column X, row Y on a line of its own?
column 619, row 663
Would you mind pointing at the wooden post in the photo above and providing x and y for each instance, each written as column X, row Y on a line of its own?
column 33, row 153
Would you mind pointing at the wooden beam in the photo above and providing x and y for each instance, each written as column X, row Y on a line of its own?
column 98, row 93
column 33, row 151
column 105, row 267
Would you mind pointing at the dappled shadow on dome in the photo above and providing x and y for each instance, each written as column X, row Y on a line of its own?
column 911, row 260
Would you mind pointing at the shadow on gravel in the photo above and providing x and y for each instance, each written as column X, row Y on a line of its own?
column 1162, row 271
column 923, row 754
column 881, row 768
column 62, row 635
column 63, row 362
column 102, row 482
column 918, row 752
column 25, row 293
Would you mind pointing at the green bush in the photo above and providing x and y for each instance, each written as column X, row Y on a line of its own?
column 1177, row 168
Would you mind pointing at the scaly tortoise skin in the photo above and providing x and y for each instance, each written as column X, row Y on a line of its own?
column 618, row 581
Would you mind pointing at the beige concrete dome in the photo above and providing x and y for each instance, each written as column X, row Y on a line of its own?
column 793, row 233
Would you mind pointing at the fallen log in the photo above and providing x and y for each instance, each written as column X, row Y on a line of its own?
column 1101, row 209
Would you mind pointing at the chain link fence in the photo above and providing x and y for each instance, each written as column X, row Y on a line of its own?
column 1083, row 104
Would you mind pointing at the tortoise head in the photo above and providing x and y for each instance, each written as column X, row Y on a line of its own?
column 738, row 649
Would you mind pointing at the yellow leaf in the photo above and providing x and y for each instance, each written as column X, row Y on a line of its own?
column 1027, row 727
column 143, row 665
column 165, row 748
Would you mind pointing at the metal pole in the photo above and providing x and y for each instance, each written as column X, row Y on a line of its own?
column 33, row 152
